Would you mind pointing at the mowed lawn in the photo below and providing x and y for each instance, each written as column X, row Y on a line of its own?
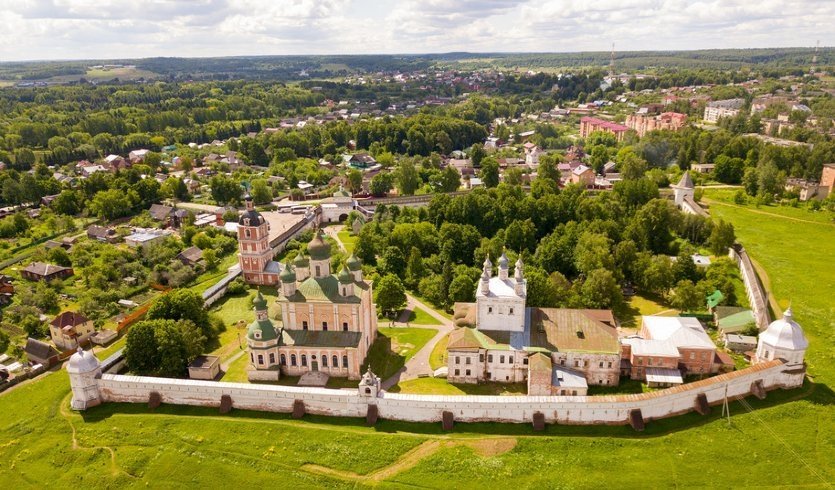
column 788, row 440
column 394, row 346
column 348, row 240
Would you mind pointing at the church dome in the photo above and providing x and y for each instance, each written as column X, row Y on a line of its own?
column 318, row 248
column 82, row 362
column 785, row 333
column 353, row 263
column 301, row 261
column 344, row 276
column 503, row 261
column 288, row 274
column 259, row 302
column 261, row 330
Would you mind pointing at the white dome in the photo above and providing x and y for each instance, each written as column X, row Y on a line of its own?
column 785, row 333
column 82, row 362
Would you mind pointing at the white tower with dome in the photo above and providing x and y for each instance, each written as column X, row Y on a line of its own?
column 84, row 370
column 783, row 339
column 500, row 300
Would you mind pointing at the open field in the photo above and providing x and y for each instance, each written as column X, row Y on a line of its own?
column 348, row 240
column 395, row 346
column 786, row 441
column 420, row 317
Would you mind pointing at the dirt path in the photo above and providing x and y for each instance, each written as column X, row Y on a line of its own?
column 332, row 231
column 418, row 365
column 765, row 213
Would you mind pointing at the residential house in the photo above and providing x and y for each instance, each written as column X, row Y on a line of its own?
column 6, row 289
column 192, row 256
column 102, row 234
column 532, row 154
column 70, row 329
column 583, row 176
column 142, row 237
column 361, row 160
column 41, row 271
column 39, row 352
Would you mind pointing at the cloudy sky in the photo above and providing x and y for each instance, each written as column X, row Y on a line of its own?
column 96, row 29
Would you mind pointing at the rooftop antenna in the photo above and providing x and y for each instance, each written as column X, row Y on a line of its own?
column 815, row 58
column 612, row 62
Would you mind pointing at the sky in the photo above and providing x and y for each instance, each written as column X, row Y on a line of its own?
column 107, row 29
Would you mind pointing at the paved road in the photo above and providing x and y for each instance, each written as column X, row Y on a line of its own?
column 419, row 363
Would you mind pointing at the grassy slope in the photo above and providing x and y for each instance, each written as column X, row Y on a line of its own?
column 395, row 346
column 785, row 442
column 420, row 317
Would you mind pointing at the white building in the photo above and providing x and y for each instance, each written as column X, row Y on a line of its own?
column 722, row 108
column 500, row 301
column 783, row 339
column 337, row 207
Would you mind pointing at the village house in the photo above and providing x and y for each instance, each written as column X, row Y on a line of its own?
column 583, row 176
column 39, row 352
column 70, row 329
column 41, row 271
column 142, row 237
column 532, row 154
column 102, row 234
column 192, row 256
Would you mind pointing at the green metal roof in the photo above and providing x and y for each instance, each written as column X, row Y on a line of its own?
column 353, row 263
column 320, row 338
column 714, row 298
column 266, row 327
column 736, row 322
column 301, row 260
column 318, row 248
column 288, row 274
column 325, row 289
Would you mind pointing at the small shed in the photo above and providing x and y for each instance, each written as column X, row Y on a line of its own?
column 204, row 367
column 740, row 343
column 40, row 352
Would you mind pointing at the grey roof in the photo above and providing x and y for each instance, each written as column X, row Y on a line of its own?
column 160, row 211
column 686, row 182
column 39, row 350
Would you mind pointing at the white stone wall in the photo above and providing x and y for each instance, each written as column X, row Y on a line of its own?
column 427, row 408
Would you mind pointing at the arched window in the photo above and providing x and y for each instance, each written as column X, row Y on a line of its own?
column 345, row 362
column 324, row 361
column 304, row 360
column 272, row 358
column 335, row 361
column 325, row 326
column 344, row 326
column 283, row 360
column 292, row 359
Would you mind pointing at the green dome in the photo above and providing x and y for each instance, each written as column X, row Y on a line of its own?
column 266, row 329
column 353, row 263
column 344, row 276
column 259, row 302
column 288, row 274
column 318, row 248
column 301, row 260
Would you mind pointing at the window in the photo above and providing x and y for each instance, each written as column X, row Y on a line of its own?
column 345, row 362
column 640, row 360
column 576, row 363
column 325, row 326
column 304, row 359
column 490, row 358
column 467, row 360
column 510, row 359
column 489, row 309
column 272, row 358
column 304, row 324
column 649, row 362
column 610, row 363
column 562, row 362
column 457, row 360
column 481, row 358
column 501, row 359
column 318, row 272
column 260, row 359
column 525, row 361
column 283, row 360
column 252, row 357
column 344, row 326
column 510, row 312
column 467, row 372
column 601, row 364
column 335, row 361
column 692, row 355
column 246, row 232
column 257, row 334
column 457, row 372
column 324, row 361
column 292, row 359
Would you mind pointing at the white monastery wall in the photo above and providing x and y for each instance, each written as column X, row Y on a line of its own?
column 428, row 408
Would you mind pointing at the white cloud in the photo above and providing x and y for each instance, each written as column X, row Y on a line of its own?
column 54, row 29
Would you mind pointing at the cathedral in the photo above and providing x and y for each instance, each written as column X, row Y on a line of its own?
column 328, row 320
column 255, row 255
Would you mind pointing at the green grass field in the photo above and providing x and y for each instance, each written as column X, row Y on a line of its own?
column 395, row 346
column 437, row 358
column 347, row 239
column 419, row 316
column 786, row 441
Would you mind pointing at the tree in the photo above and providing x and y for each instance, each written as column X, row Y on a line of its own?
column 601, row 290
column 521, row 235
column 407, row 178
column 450, row 179
column 489, row 172
column 593, row 251
column 381, row 184
column 722, row 237
column 542, row 291
column 391, row 296
column 393, row 262
column 462, row 289
column 182, row 304
column 729, row 170
column 770, row 180
column 260, row 192
column 141, row 351
column 477, row 154
column 24, row 158
column 415, row 269
column 225, row 190
column 354, row 180
column 111, row 204
column 685, row 296
column 432, row 288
